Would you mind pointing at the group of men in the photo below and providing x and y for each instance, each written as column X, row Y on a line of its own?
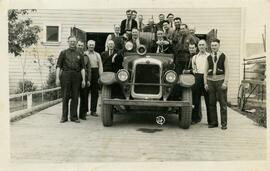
column 170, row 36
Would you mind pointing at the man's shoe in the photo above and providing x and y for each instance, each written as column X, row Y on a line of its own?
column 212, row 126
column 94, row 114
column 76, row 121
column 63, row 121
column 224, row 127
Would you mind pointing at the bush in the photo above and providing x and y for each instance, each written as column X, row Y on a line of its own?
column 28, row 86
column 51, row 84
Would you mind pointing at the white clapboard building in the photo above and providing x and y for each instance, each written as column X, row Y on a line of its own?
column 225, row 23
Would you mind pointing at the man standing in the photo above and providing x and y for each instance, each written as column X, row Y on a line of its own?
column 134, row 14
column 192, row 31
column 168, row 32
column 151, row 27
column 192, row 51
column 216, row 82
column 140, row 23
column 71, row 63
column 116, row 38
column 160, row 23
column 84, row 91
column 96, row 71
column 181, row 39
column 127, row 24
column 111, row 59
column 199, row 65
column 170, row 18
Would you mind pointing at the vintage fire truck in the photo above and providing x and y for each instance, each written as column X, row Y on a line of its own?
column 146, row 82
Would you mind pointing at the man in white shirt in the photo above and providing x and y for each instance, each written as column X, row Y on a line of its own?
column 96, row 71
column 198, row 66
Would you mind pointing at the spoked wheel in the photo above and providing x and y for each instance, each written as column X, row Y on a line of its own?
column 241, row 97
column 106, row 110
column 185, row 113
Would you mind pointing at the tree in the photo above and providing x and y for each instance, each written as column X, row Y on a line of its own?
column 21, row 32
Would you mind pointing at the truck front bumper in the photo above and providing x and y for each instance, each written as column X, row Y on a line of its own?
column 158, row 103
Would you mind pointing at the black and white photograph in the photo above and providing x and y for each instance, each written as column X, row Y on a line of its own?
column 137, row 83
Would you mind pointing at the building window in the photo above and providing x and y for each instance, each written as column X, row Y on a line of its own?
column 52, row 33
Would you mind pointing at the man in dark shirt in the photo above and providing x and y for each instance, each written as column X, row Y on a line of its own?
column 192, row 51
column 111, row 60
column 71, row 62
column 128, row 24
column 160, row 23
column 84, row 91
column 151, row 27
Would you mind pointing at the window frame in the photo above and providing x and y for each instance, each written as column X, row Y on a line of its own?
column 45, row 34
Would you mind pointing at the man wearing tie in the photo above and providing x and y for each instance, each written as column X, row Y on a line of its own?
column 128, row 24
column 140, row 23
column 216, row 81
column 111, row 60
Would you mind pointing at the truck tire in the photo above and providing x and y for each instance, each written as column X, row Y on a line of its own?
column 185, row 114
column 106, row 110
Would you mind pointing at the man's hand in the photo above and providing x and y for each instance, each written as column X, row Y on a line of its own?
column 206, row 87
column 113, row 58
column 88, row 83
column 224, row 86
column 186, row 71
column 83, row 84
column 57, row 82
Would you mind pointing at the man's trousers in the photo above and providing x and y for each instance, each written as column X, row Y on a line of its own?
column 94, row 87
column 216, row 93
column 70, row 86
column 198, row 91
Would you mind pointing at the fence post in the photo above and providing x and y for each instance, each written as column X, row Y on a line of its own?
column 29, row 101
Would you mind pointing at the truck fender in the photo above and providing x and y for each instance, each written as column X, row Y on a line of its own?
column 186, row 80
column 107, row 78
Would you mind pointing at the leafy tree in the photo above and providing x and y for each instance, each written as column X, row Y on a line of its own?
column 21, row 32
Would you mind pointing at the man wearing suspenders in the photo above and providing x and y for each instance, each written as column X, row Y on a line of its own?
column 198, row 65
column 216, row 80
column 96, row 71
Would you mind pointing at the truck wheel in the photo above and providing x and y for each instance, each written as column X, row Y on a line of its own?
column 106, row 110
column 186, row 111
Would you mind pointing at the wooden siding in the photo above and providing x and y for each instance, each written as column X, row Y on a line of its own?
column 226, row 20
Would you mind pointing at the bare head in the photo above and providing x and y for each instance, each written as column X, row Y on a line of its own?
column 192, row 48
column 91, row 45
column 134, row 14
column 110, row 44
column 117, row 28
column 80, row 45
column 183, row 28
column 202, row 45
column 72, row 41
column 170, row 17
column 160, row 34
column 128, row 13
column 192, row 29
column 135, row 33
column 215, row 44
column 161, row 17
column 140, row 18
column 177, row 22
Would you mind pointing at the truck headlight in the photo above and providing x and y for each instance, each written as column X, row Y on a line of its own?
column 170, row 76
column 122, row 75
column 129, row 46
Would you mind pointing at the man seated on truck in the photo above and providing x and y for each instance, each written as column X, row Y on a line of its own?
column 111, row 60
column 136, row 40
column 162, row 44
